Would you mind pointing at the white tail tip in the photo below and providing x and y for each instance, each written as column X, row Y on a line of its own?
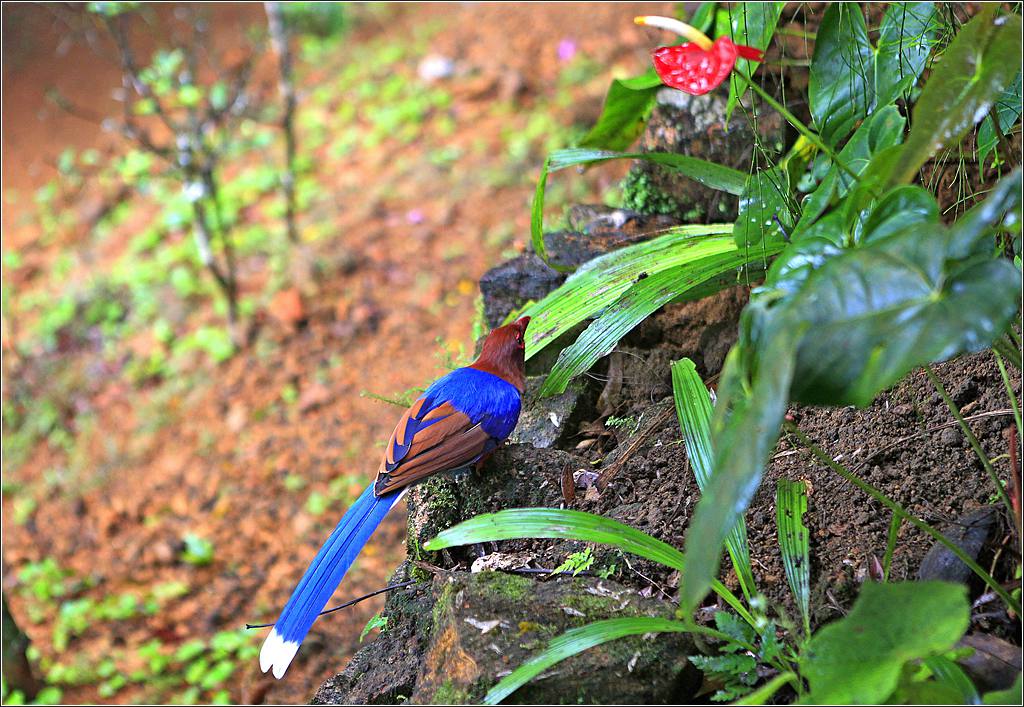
column 277, row 653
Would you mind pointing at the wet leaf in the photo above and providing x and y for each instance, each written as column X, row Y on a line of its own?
column 764, row 210
column 982, row 60
column 694, row 410
column 711, row 175
column 692, row 280
column 900, row 208
column 841, row 88
column 879, row 132
column 751, row 24
column 574, row 642
column 905, row 39
column 794, row 543
column 850, row 78
column 848, row 226
column 924, row 294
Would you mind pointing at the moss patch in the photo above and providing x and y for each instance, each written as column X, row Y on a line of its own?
column 449, row 694
column 443, row 604
column 640, row 194
column 508, row 586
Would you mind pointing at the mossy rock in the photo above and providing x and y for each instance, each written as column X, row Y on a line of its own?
column 483, row 625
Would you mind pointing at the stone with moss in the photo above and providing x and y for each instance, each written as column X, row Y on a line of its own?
column 483, row 625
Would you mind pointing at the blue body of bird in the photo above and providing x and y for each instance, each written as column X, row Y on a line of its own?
column 459, row 420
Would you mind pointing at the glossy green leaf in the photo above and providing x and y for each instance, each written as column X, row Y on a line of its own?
column 841, row 88
column 794, row 543
column 839, row 335
column 642, row 299
column 574, row 642
column 880, row 131
column 850, row 78
column 693, row 408
column 752, row 24
column 1007, row 109
column 556, row 523
column 858, row 659
column 905, row 40
column 848, row 226
column 902, row 207
column 711, row 175
column 625, row 112
column 603, row 280
column 979, row 63
column 765, row 209
column 923, row 294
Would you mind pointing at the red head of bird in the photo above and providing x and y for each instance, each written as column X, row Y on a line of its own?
column 504, row 353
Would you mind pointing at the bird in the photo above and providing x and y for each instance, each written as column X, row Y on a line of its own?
column 453, row 426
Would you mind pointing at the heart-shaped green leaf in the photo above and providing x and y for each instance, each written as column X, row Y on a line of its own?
column 858, row 659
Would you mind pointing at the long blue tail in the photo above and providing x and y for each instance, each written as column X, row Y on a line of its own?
column 322, row 578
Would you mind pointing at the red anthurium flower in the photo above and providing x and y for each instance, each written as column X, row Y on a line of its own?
column 699, row 65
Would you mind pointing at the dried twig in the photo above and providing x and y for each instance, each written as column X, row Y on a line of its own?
column 902, row 440
column 634, row 445
column 279, row 39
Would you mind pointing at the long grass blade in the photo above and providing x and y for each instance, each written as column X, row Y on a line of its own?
column 557, row 523
column 952, row 676
column 573, row 525
column 693, row 407
column 710, row 174
column 644, row 298
column 603, row 280
column 575, row 641
column 714, row 176
column 890, row 544
column 764, row 693
column 794, row 543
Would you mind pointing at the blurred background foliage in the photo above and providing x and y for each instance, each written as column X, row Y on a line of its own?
column 168, row 247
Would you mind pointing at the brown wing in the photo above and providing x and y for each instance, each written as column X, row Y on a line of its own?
column 423, row 444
